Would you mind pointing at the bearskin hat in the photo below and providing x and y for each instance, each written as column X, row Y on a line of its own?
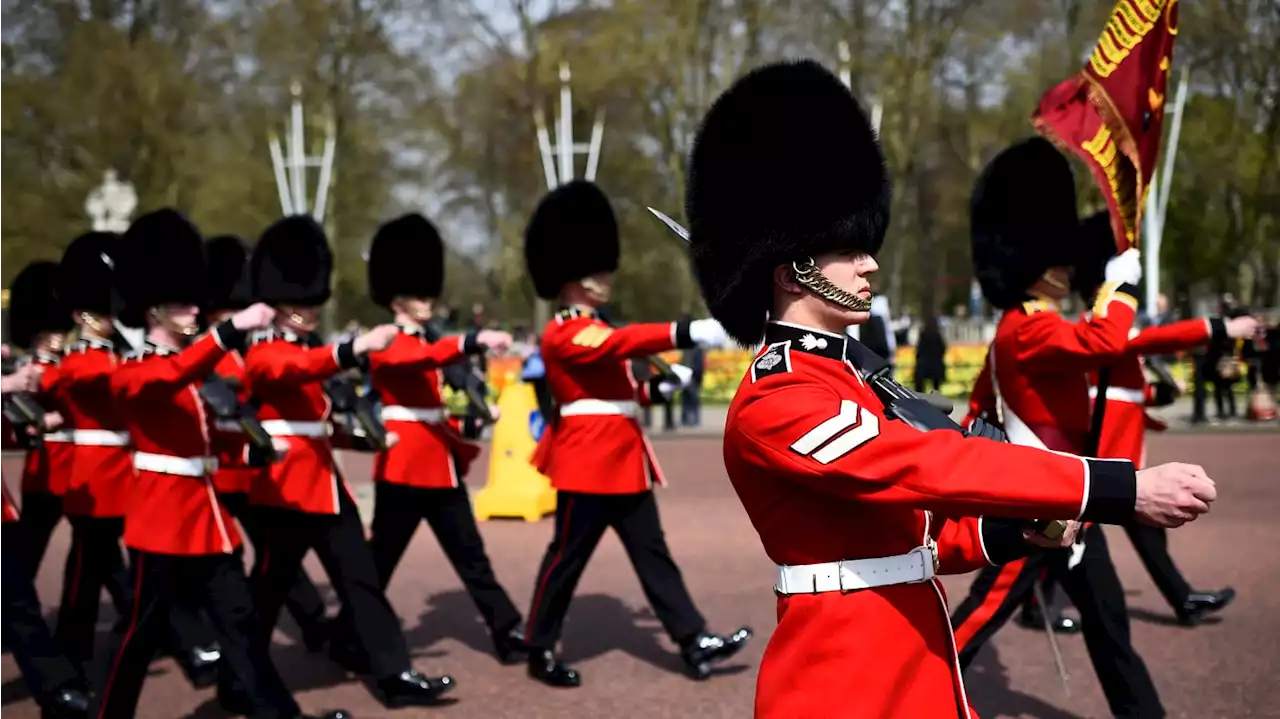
column 785, row 166
column 1095, row 246
column 1022, row 220
column 573, row 234
column 227, row 257
column 406, row 259
column 89, row 278
column 33, row 304
column 164, row 263
column 292, row 263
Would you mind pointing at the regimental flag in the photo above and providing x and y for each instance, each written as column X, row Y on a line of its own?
column 1111, row 113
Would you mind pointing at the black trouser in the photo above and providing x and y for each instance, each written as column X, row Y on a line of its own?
column 302, row 601
column 338, row 541
column 1152, row 544
column 922, row 379
column 1222, row 392
column 95, row 561
column 399, row 509
column 581, row 520
column 217, row 584
column 44, row 668
column 1095, row 589
column 41, row 512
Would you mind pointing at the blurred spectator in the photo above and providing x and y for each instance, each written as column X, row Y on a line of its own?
column 931, row 356
column 691, row 397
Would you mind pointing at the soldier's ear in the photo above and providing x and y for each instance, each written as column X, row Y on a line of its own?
column 784, row 276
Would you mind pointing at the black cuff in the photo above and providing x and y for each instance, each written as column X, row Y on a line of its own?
column 655, row 391
column 1113, row 491
column 1218, row 331
column 683, row 339
column 1128, row 289
column 471, row 345
column 1002, row 540
column 1162, row 394
column 229, row 337
column 345, row 354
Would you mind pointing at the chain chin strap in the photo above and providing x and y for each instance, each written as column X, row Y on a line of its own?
column 165, row 321
column 92, row 322
column 810, row 276
column 599, row 292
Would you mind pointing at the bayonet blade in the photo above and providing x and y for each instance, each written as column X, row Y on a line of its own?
column 670, row 223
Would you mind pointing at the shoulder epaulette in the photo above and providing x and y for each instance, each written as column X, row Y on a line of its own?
column 776, row 359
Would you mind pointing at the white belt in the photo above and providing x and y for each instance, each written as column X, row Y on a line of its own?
column 413, row 414
column 99, row 438
column 181, row 466
column 850, row 575
column 227, row 425
column 582, row 407
column 290, row 428
column 61, row 435
column 1121, row 394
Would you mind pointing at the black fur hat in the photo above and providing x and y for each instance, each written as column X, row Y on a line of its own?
column 33, row 304
column 292, row 263
column 1022, row 220
column 227, row 257
column 572, row 234
column 1095, row 247
column 785, row 166
column 89, row 277
column 406, row 259
column 164, row 262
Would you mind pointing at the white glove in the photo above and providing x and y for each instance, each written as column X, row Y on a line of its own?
column 684, row 375
column 1125, row 268
column 708, row 334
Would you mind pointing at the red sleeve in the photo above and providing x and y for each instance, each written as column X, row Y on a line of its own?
column 806, row 433
column 1046, row 341
column 1176, row 336
column 982, row 398
column 284, row 363
column 420, row 355
column 584, row 340
column 49, row 379
column 170, row 373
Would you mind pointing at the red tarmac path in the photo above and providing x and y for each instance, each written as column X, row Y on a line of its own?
column 1222, row 669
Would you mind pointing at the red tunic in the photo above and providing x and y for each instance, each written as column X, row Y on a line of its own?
column 1041, row 364
column 1125, row 422
column 174, row 509
column 430, row 453
column 101, row 478
column 9, row 510
column 597, row 446
column 285, row 377
column 234, row 475
column 825, row 477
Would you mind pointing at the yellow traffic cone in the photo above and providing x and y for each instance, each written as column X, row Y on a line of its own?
column 515, row 488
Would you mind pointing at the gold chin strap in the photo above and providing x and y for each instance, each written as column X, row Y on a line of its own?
column 92, row 322
column 599, row 292
column 1048, row 277
column 297, row 319
column 808, row 274
column 165, row 321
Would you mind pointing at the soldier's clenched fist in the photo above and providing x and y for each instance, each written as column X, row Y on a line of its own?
column 1173, row 494
column 254, row 317
column 376, row 339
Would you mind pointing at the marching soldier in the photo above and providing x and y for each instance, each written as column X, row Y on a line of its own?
column 38, row 323
column 183, row 545
column 859, row 511
column 303, row 500
column 1025, row 245
column 421, row 476
column 54, row 682
column 230, row 291
column 595, row 452
column 101, row 473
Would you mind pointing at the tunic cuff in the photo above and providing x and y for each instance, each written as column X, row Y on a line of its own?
column 345, row 355
column 1112, row 491
column 1218, row 331
column 228, row 337
column 1002, row 540
column 680, row 335
column 471, row 344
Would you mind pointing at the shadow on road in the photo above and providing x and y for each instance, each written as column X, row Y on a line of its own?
column 987, row 683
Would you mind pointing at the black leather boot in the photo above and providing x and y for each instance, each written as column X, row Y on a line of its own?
column 1031, row 618
column 510, row 646
column 200, row 665
column 547, row 668
column 409, row 688
column 66, row 702
column 706, row 649
column 1199, row 604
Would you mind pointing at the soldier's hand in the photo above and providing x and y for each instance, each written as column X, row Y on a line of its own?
column 496, row 340
column 52, row 421
column 1125, row 268
column 254, row 317
column 1068, row 536
column 1170, row 495
column 1240, row 328
column 280, row 445
column 708, row 334
column 25, row 379
column 392, row 439
column 376, row 339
